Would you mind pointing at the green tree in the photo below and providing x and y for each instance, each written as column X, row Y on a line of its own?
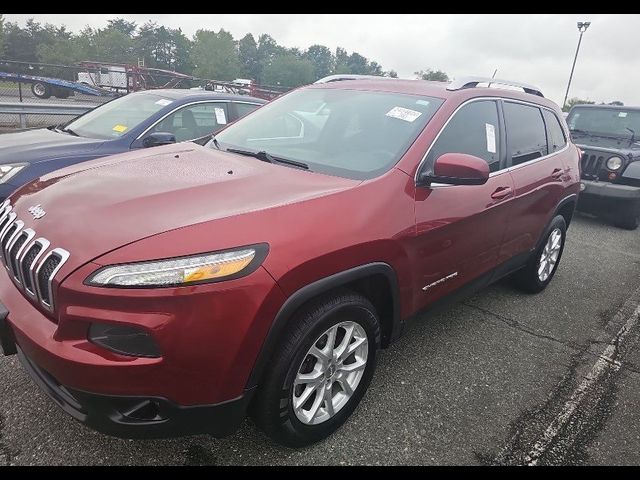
column 180, row 51
column 214, row 55
column 617, row 102
column 391, row 73
column 248, row 56
column 288, row 71
column 111, row 45
column 322, row 59
column 123, row 26
column 432, row 75
column 576, row 101
column 1, row 35
column 268, row 49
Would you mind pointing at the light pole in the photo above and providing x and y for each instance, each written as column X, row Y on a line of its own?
column 582, row 27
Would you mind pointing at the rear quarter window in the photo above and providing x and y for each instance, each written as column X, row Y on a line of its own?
column 557, row 139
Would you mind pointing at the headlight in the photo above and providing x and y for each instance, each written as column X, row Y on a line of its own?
column 196, row 269
column 9, row 170
column 614, row 163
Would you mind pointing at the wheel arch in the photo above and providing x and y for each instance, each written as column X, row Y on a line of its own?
column 377, row 281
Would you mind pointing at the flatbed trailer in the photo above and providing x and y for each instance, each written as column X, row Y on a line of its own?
column 45, row 87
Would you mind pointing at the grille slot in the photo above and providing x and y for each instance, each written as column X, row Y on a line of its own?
column 592, row 164
column 14, row 251
column 30, row 264
column 31, row 255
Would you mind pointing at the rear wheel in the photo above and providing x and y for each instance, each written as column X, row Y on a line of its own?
column 541, row 267
column 41, row 90
column 320, row 371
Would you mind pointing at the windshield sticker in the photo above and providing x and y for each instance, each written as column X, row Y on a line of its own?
column 164, row 102
column 491, row 137
column 120, row 128
column 622, row 114
column 423, row 102
column 220, row 116
column 403, row 114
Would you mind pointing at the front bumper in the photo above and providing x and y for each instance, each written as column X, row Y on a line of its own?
column 608, row 199
column 136, row 417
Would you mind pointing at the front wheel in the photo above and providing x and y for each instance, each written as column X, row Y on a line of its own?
column 628, row 218
column 541, row 267
column 320, row 371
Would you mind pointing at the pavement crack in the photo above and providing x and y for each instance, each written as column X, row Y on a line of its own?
column 522, row 328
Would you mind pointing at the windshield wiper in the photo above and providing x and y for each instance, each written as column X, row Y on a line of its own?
column 69, row 131
column 266, row 157
column 633, row 135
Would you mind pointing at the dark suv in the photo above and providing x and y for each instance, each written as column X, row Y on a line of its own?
column 608, row 137
column 169, row 291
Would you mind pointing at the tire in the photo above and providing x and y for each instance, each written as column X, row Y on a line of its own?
column 528, row 278
column 273, row 407
column 41, row 90
column 629, row 218
column 62, row 93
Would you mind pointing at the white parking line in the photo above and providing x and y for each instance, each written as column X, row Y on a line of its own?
column 606, row 363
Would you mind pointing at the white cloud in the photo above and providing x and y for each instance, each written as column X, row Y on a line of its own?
column 535, row 49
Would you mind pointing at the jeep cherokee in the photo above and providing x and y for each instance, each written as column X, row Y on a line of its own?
column 170, row 291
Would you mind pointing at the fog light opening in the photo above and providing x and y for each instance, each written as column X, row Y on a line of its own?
column 147, row 410
column 124, row 339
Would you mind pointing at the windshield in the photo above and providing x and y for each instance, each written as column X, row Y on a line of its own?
column 116, row 118
column 349, row 133
column 605, row 121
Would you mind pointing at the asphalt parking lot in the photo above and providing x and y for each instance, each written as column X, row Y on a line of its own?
column 500, row 378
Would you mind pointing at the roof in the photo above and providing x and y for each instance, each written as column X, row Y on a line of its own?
column 608, row 107
column 183, row 93
column 431, row 89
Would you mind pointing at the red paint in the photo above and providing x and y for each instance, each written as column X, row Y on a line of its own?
column 461, row 165
column 145, row 205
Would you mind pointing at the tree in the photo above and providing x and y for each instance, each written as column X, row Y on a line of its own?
column 214, row 55
column 432, row 75
column 123, row 26
column 391, row 73
column 248, row 56
column 617, row 102
column 576, row 101
column 322, row 59
column 1, row 35
column 111, row 45
column 268, row 49
column 288, row 71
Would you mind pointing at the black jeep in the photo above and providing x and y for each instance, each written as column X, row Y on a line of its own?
column 609, row 137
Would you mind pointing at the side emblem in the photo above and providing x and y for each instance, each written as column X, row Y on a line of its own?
column 37, row 211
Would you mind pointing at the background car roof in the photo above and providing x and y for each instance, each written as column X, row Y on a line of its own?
column 182, row 94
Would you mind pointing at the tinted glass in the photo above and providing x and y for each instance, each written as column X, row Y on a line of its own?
column 557, row 139
column 350, row 133
column 116, row 118
column 194, row 121
column 472, row 130
column 526, row 135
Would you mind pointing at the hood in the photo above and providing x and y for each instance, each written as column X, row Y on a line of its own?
column 101, row 205
column 620, row 145
column 32, row 146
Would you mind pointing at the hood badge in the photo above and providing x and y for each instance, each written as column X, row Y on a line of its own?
column 37, row 211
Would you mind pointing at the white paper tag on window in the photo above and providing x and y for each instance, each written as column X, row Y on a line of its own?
column 622, row 114
column 221, row 118
column 491, row 137
column 403, row 114
column 164, row 102
column 423, row 102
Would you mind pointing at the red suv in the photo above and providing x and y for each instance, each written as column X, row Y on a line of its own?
column 172, row 290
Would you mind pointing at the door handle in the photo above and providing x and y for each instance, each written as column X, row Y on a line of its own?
column 557, row 173
column 501, row 193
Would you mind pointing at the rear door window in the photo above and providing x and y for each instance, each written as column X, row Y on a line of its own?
column 526, row 133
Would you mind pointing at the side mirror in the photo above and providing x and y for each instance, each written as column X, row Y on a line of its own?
column 456, row 169
column 159, row 138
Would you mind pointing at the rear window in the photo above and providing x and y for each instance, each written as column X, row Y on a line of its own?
column 526, row 134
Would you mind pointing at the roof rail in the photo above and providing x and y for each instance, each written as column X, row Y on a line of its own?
column 472, row 82
column 349, row 76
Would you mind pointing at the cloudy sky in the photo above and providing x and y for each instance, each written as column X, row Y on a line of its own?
column 535, row 49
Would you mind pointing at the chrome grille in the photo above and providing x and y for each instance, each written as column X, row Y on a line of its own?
column 30, row 263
